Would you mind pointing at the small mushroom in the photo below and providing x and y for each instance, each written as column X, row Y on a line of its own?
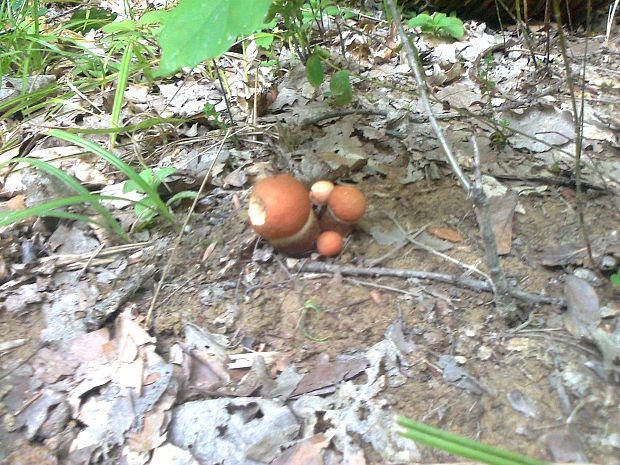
column 319, row 192
column 329, row 243
column 345, row 206
column 280, row 211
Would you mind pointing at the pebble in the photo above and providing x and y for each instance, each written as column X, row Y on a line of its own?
column 484, row 353
column 610, row 310
column 589, row 276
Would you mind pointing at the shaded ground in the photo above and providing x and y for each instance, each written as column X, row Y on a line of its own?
column 440, row 319
column 544, row 384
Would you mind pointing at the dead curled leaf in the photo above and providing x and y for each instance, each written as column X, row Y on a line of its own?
column 305, row 452
column 16, row 203
column 446, row 234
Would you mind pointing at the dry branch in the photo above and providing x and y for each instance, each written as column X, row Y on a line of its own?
column 475, row 285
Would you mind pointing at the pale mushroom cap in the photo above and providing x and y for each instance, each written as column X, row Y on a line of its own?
column 319, row 192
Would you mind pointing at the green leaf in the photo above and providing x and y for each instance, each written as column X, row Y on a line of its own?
column 314, row 71
column 7, row 218
column 121, row 165
column 126, row 25
column 309, row 305
column 145, row 210
column 263, row 39
column 420, row 20
column 438, row 18
column 331, row 10
column 180, row 196
column 93, row 200
column 130, row 186
column 152, row 179
column 321, row 52
column 198, row 30
column 84, row 20
column 461, row 446
column 151, row 17
column 340, row 87
column 615, row 279
column 49, row 209
column 147, row 176
column 123, row 76
column 163, row 173
column 453, row 27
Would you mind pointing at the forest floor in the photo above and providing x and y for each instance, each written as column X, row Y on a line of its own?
column 249, row 356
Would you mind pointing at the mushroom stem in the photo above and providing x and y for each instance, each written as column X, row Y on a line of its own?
column 302, row 241
column 345, row 206
column 329, row 222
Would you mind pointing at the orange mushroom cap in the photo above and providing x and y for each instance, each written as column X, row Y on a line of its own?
column 320, row 191
column 347, row 203
column 279, row 207
column 329, row 243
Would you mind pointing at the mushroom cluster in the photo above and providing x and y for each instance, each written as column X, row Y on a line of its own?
column 281, row 210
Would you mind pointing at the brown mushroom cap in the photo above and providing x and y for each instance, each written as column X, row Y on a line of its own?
column 329, row 243
column 347, row 203
column 279, row 207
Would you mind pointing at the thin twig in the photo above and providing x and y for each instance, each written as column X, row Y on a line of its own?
column 343, row 46
column 414, row 63
column 423, row 246
column 181, row 233
column 504, row 302
column 83, row 97
column 339, row 114
column 224, row 92
column 522, row 27
column 69, row 259
column 90, row 260
column 357, row 282
column 475, row 285
column 577, row 125
column 610, row 20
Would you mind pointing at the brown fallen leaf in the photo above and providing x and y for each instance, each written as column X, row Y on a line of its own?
column 306, row 452
column 583, row 313
column 375, row 296
column 326, row 375
column 16, row 203
column 502, row 210
column 150, row 379
column 446, row 234
column 50, row 365
column 208, row 251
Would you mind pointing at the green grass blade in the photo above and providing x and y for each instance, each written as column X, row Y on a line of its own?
column 93, row 200
column 121, row 83
column 181, row 195
column 457, row 449
column 461, row 446
column 44, row 209
column 49, row 209
column 122, row 166
column 72, row 216
column 145, row 124
column 22, row 102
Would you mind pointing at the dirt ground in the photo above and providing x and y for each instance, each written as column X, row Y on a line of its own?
column 531, row 384
column 261, row 304
column 440, row 319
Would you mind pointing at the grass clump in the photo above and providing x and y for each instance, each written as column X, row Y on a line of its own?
column 461, row 446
